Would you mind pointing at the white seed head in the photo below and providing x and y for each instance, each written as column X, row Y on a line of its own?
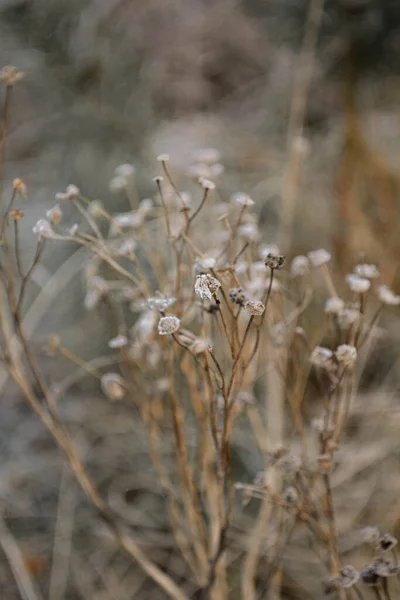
column 125, row 170
column 163, row 157
column 349, row 316
column 206, row 285
column 203, row 264
column 43, row 229
column 242, row 199
column 358, row 285
column 168, row 325
column 160, row 302
column 346, row 354
column 266, row 249
column 321, row 356
column 300, row 266
column 387, row 296
column 334, row 305
column 113, row 386
column 72, row 191
column 319, row 257
column 254, row 308
column 367, row 271
column 207, row 184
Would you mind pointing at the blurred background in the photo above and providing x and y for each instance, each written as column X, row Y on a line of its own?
column 301, row 99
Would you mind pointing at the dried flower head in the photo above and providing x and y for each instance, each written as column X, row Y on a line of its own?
column 289, row 464
column 203, row 264
column 366, row 271
column 348, row 577
column 72, row 192
column 369, row 576
column 325, row 463
column 319, row 257
column 384, row 567
column 43, row 229
column 254, row 308
column 125, row 170
column 386, row 296
column 113, row 386
column 206, row 285
column 369, row 535
column 54, row 214
column 118, row 341
column 358, row 285
column 160, row 302
column 275, row 261
column 237, row 295
column 300, row 266
column 386, row 542
column 168, row 325
column 9, row 75
column 321, row 357
column 20, row 187
column 207, row 184
column 334, row 305
column 249, row 231
column 290, row 495
column 346, row 354
column 163, row 157
column 242, row 199
column 349, row 316
column 16, row 214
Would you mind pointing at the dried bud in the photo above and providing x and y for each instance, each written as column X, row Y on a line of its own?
column 54, row 215
column 43, row 229
column 168, row 325
column 275, row 261
column 237, row 295
column 113, row 386
column 205, row 286
column 254, row 308
column 20, row 187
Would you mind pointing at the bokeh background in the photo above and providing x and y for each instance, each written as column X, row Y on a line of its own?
column 119, row 81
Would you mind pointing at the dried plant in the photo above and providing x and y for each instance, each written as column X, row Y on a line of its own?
column 211, row 332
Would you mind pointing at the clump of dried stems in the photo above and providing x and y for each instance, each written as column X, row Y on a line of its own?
column 210, row 329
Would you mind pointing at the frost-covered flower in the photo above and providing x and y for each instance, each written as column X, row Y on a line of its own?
column 387, row 296
column 207, row 184
column 242, row 199
column 275, row 261
column 203, row 264
column 206, row 285
column 321, row 356
column 54, row 214
column 319, row 257
column 254, row 308
column 300, row 266
column 43, row 229
column 346, row 354
column 358, row 285
column 118, row 341
column 72, row 192
column 366, row 271
column 113, row 386
column 237, row 295
column 334, row 305
column 168, row 325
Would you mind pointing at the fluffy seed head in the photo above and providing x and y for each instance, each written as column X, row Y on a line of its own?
column 168, row 325
column 319, row 257
column 321, row 356
column 346, row 354
column 367, row 271
column 300, row 266
column 254, row 308
column 358, row 285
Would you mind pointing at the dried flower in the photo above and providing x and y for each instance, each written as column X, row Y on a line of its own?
column 291, row 495
column 385, row 567
column 160, row 302
column 203, row 264
column 321, row 357
column 300, row 266
column 54, row 215
column 369, row 575
column 200, row 345
column 207, row 184
column 163, row 157
column 367, row 271
column 289, row 464
column 72, row 192
column 9, row 75
column 319, row 257
column 118, row 341
column 369, row 535
column 237, row 295
column 113, row 386
column 325, row 463
column 206, row 285
column 242, row 199
column 266, row 249
column 275, row 261
column 358, row 285
column 43, row 229
column 334, row 305
column 16, row 214
column 20, row 187
column 386, row 542
column 346, row 355
column 254, row 308
column 348, row 577
column 168, row 325
column 349, row 316
column 386, row 296
column 95, row 208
